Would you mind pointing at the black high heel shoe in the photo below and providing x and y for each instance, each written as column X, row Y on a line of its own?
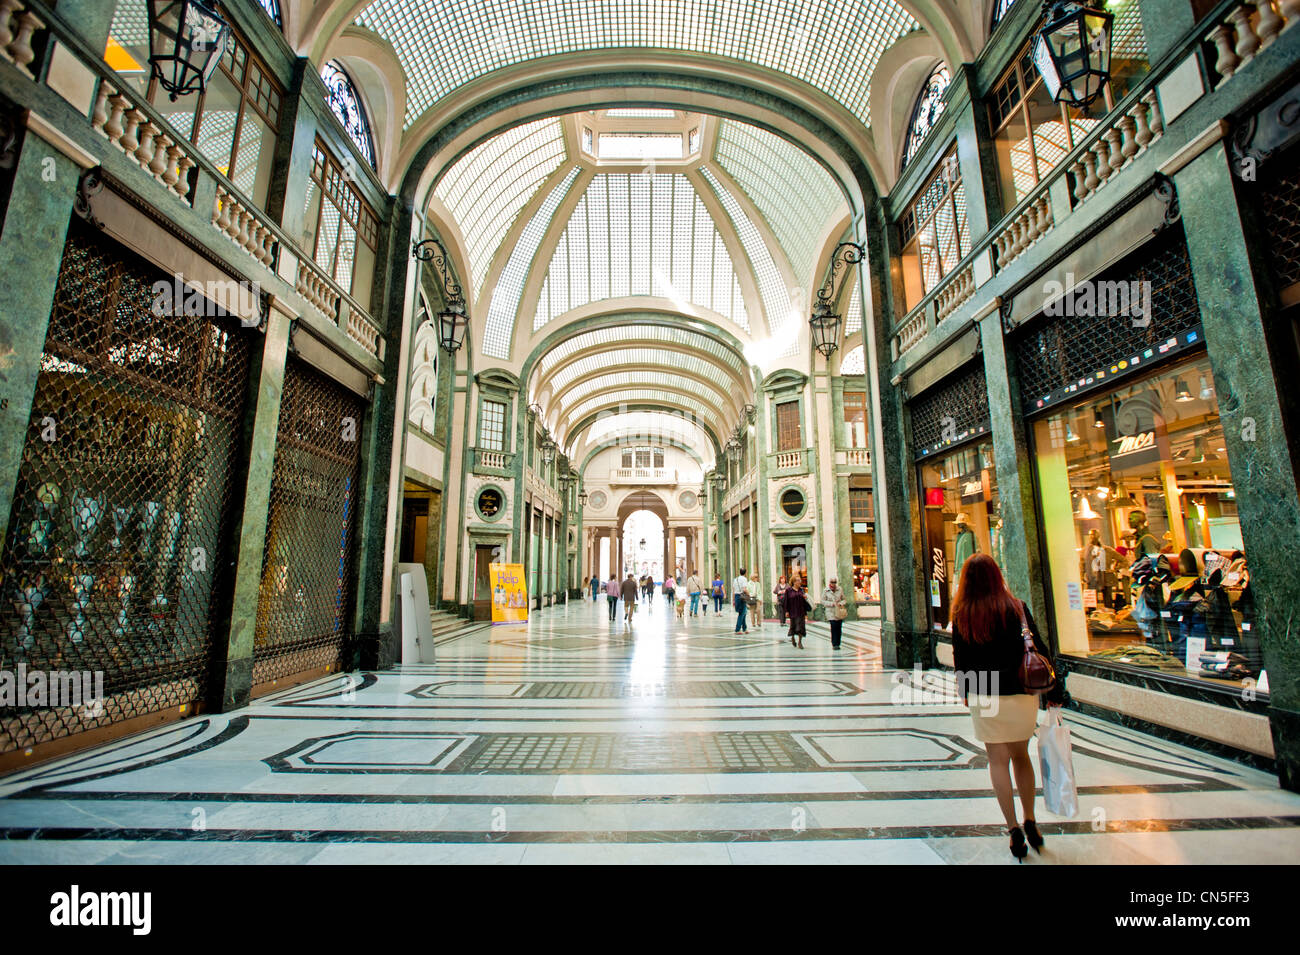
column 1018, row 847
column 1033, row 835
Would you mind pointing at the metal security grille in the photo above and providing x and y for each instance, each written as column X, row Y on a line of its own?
column 1053, row 353
column 943, row 414
column 305, row 602
column 111, row 562
column 1280, row 216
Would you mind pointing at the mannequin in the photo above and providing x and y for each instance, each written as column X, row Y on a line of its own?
column 1094, row 560
column 964, row 546
column 1144, row 542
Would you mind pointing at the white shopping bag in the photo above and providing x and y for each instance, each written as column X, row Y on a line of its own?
column 1054, row 757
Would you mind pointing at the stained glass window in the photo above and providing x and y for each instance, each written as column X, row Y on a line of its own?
column 926, row 112
column 347, row 106
column 999, row 11
column 272, row 8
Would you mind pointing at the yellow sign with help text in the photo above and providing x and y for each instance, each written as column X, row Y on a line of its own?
column 509, row 593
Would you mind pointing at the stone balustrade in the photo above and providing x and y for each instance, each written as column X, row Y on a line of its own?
column 857, row 457
column 245, row 227
column 317, row 289
column 17, row 27
column 1248, row 28
column 912, row 331
column 1114, row 148
column 959, row 288
column 118, row 117
column 361, row 331
column 1033, row 222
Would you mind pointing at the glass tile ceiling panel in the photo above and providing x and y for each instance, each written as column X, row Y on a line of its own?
column 650, row 424
column 500, row 326
column 633, row 234
column 640, row 380
column 853, row 316
column 654, row 357
column 792, row 191
column 629, row 421
column 777, row 300
column 627, row 334
column 486, row 189
column 833, row 45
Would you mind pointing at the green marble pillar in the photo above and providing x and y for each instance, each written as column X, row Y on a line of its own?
column 904, row 625
column 90, row 18
column 1022, row 565
column 1247, row 338
column 1164, row 23
column 233, row 669
column 31, row 250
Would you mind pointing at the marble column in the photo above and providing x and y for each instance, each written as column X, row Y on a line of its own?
column 904, row 629
column 31, row 251
column 233, row 671
column 1249, row 340
column 1014, row 468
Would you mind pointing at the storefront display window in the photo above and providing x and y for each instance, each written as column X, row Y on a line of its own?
column 960, row 513
column 866, row 576
column 1145, row 556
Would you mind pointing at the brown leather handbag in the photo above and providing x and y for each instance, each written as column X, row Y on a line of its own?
column 1036, row 672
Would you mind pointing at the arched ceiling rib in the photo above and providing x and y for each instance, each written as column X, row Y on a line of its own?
column 794, row 194
column 832, row 45
column 487, row 189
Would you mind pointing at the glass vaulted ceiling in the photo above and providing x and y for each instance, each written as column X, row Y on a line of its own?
column 732, row 230
column 832, row 45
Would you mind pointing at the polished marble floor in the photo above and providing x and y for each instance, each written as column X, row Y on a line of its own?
column 573, row 740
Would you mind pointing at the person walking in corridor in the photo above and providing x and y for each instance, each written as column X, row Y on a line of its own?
column 669, row 589
column 755, row 600
column 739, row 595
column 778, row 593
column 693, row 589
column 796, row 611
column 629, row 600
column 595, row 588
column 988, row 646
column 836, row 610
column 611, row 594
column 718, row 591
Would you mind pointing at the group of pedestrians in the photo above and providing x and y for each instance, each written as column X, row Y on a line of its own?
column 790, row 597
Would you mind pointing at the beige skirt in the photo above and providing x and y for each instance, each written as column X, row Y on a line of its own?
column 1004, row 719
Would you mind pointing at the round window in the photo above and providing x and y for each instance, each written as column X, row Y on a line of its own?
column 792, row 502
column 597, row 499
column 686, row 499
column 490, row 502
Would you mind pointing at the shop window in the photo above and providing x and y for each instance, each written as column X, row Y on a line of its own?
column 934, row 231
column 960, row 516
column 1032, row 134
column 789, row 436
column 855, row 419
column 926, row 111
column 866, row 578
column 492, row 426
column 1146, row 561
column 340, row 227
column 233, row 122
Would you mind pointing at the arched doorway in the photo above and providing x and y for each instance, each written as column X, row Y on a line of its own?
column 643, row 515
column 643, row 545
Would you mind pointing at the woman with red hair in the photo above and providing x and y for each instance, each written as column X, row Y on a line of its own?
column 987, row 649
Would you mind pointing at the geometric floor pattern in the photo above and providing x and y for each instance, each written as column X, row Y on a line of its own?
column 573, row 741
